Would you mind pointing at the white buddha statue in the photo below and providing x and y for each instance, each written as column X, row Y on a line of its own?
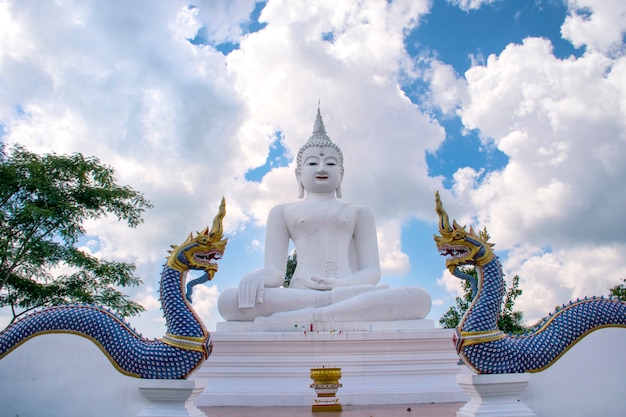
column 338, row 268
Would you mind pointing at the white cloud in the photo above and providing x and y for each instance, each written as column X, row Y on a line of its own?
column 392, row 260
column 205, row 304
column 148, row 299
column 552, row 279
column 597, row 25
column 447, row 91
column 468, row 5
column 450, row 283
column 561, row 124
column 223, row 20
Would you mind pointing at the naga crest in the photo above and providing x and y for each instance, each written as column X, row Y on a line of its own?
column 458, row 245
column 202, row 251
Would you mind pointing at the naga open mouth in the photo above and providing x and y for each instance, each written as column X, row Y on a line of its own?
column 209, row 257
column 453, row 252
column 456, row 255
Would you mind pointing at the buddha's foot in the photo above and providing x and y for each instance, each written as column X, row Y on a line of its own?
column 343, row 293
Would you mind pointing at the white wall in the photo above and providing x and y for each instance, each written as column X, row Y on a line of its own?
column 65, row 375
column 589, row 380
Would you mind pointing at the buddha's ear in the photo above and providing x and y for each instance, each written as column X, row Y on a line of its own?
column 300, row 185
column 338, row 190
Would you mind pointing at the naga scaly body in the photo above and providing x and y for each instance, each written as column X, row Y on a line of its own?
column 479, row 342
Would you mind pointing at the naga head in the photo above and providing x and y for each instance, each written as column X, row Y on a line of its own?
column 201, row 252
column 461, row 247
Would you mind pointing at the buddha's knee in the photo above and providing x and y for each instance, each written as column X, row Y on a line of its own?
column 416, row 301
column 421, row 301
column 227, row 305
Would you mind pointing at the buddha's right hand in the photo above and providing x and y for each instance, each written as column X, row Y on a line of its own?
column 252, row 285
column 251, row 289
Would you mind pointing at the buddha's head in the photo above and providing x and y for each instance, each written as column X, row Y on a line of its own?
column 319, row 152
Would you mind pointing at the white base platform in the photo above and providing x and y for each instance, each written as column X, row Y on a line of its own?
column 495, row 395
column 381, row 363
column 171, row 397
column 346, row 326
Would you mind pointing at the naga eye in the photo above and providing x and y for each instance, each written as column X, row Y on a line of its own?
column 459, row 234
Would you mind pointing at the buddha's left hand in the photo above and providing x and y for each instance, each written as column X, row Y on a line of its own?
column 319, row 283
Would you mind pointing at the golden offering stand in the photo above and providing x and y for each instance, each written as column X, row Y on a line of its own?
column 326, row 383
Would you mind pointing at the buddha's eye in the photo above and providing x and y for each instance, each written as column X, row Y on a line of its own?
column 311, row 163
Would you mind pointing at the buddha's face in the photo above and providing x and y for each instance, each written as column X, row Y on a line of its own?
column 320, row 172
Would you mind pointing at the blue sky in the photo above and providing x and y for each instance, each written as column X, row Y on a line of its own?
column 513, row 110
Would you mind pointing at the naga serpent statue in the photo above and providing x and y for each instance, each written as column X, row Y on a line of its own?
column 187, row 343
column 479, row 342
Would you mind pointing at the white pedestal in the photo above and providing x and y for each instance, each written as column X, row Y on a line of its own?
column 172, row 397
column 494, row 395
column 380, row 366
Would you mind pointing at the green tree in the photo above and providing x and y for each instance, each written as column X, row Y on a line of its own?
column 44, row 200
column 619, row 291
column 510, row 320
column 292, row 262
column 453, row 316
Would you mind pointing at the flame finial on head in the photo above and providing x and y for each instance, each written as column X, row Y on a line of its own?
column 216, row 231
column 319, row 138
column 444, row 220
column 319, row 130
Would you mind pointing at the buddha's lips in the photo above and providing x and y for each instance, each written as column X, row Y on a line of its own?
column 322, row 177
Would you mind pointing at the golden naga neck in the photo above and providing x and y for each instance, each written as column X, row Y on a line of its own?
column 486, row 258
column 473, row 338
column 174, row 263
column 197, row 344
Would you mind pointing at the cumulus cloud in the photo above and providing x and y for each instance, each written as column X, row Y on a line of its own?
column 122, row 82
column 598, row 26
column 446, row 89
column 556, row 208
column 550, row 279
column 468, row 5
column 560, row 122
column 205, row 302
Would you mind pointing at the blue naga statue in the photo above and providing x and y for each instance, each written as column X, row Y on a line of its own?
column 187, row 343
column 479, row 342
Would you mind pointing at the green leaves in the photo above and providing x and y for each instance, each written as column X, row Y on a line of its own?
column 292, row 262
column 453, row 316
column 619, row 291
column 44, row 200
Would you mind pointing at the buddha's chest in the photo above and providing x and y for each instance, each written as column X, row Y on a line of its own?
column 328, row 218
